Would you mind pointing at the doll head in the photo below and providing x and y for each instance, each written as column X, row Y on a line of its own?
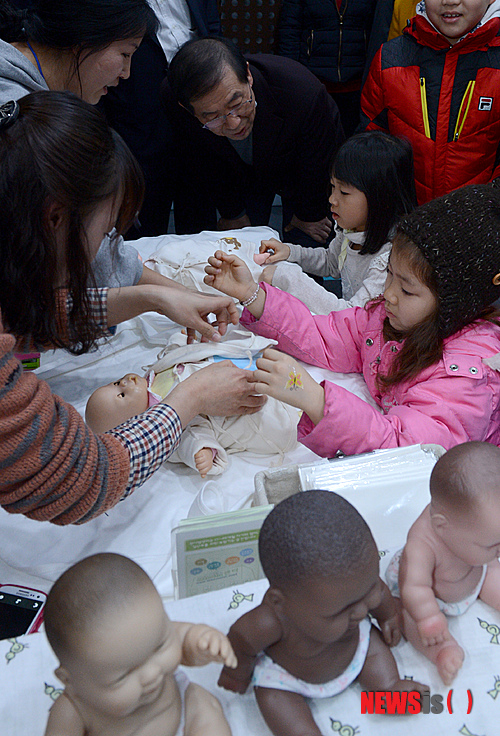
column 114, row 403
column 465, row 505
column 322, row 564
column 106, row 623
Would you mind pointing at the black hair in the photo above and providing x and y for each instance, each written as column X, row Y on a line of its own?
column 313, row 533
column 381, row 166
column 86, row 26
column 94, row 587
column 199, row 66
column 60, row 150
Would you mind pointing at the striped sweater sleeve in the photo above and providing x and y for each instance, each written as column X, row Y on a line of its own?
column 52, row 467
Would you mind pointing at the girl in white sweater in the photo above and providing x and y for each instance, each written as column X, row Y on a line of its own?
column 372, row 186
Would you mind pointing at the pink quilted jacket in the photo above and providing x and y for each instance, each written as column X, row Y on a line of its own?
column 453, row 401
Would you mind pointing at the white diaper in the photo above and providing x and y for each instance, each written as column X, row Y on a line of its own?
column 269, row 674
column 449, row 609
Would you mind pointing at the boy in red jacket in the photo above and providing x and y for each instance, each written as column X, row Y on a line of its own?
column 437, row 86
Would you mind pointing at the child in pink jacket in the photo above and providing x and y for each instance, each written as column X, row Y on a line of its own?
column 426, row 349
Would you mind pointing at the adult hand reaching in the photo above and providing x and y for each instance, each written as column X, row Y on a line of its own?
column 191, row 309
column 220, row 389
column 188, row 308
column 318, row 231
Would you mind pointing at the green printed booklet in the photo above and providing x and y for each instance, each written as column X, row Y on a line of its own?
column 219, row 551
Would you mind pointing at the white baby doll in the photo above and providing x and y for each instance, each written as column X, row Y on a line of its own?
column 451, row 554
column 118, row 655
column 207, row 440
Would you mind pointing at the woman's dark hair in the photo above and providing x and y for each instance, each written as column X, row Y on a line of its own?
column 86, row 26
column 59, row 151
column 381, row 166
column 199, row 66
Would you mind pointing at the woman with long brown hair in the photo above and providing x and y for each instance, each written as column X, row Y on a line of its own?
column 65, row 179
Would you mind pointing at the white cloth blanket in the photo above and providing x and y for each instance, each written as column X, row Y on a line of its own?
column 185, row 259
column 36, row 553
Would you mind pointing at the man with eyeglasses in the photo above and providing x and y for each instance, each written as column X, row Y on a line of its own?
column 250, row 128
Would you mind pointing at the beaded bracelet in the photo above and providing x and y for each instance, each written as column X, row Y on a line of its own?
column 251, row 299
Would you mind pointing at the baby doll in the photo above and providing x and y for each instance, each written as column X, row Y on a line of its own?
column 119, row 652
column 207, row 440
column 451, row 554
column 311, row 636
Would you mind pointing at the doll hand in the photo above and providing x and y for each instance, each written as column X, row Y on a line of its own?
column 229, row 681
column 229, row 274
column 213, row 646
column 204, row 460
column 280, row 251
column 433, row 630
column 267, row 274
column 280, row 376
column 391, row 629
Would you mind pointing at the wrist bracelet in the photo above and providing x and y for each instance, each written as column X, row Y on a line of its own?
column 250, row 300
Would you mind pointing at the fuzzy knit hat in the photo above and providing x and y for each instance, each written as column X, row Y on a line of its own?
column 459, row 236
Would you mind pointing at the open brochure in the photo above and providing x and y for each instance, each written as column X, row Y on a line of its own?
column 218, row 551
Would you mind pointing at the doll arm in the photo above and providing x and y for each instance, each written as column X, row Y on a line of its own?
column 490, row 592
column 204, row 460
column 198, row 435
column 202, row 644
column 249, row 635
column 417, row 565
column 388, row 615
column 64, row 719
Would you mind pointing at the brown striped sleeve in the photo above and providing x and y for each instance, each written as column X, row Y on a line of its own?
column 52, row 468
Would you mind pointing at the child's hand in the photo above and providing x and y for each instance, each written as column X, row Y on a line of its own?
column 229, row 274
column 267, row 274
column 204, row 460
column 433, row 630
column 281, row 250
column 280, row 376
column 203, row 644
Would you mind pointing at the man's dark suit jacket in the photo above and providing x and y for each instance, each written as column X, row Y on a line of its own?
column 296, row 133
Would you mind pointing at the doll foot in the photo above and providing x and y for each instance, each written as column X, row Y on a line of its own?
column 434, row 630
column 448, row 661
